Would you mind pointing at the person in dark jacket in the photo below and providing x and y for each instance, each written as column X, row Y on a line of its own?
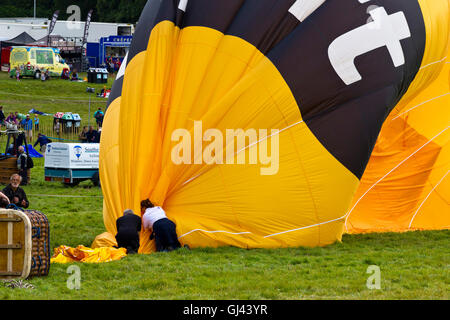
column 43, row 141
column 128, row 228
column 15, row 193
column 2, row 116
column 99, row 115
column 91, row 135
column 98, row 136
column 22, row 165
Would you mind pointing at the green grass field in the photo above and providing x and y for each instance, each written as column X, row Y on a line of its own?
column 414, row 265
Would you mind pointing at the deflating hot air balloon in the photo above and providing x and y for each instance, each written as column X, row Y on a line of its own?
column 252, row 122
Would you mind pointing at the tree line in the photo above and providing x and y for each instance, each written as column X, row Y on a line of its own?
column 125, row 11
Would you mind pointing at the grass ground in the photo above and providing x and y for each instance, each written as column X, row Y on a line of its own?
column 414, row 265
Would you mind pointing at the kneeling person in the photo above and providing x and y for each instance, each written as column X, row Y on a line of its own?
column 164, row 230
column 128, row 228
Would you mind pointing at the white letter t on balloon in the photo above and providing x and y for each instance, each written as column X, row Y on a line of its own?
column 385, row 30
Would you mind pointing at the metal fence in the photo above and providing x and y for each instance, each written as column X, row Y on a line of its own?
column 65, row 134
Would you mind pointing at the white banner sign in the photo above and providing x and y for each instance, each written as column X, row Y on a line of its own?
column 72, row 155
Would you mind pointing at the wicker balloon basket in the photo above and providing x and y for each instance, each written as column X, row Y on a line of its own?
column 24, row 244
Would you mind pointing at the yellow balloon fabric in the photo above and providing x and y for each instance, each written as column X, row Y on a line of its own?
column 406, row 185
column 64, row 254
column 105, row 239
column 209, row 76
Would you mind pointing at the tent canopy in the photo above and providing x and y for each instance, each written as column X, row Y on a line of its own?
column 22, row 39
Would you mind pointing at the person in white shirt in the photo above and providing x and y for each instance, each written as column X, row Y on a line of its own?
column 164, row 230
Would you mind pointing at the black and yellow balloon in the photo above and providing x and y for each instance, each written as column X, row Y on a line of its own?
column 320, row 77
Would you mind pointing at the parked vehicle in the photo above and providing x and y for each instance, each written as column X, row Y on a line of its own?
column 33, row 61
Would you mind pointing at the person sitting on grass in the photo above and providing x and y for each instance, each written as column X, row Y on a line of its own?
column 74, row 76
column 83, row 135
column 102, row 93
column 128, row 228
column 15, row 193
column 92, row 135
column 163, row 229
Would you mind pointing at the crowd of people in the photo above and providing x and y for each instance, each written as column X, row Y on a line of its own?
column 45, row 75
column 18, row 120
column 90, row 135
column 30, row 124
column 113, row 64
column 72, row 76
column 20, row 128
